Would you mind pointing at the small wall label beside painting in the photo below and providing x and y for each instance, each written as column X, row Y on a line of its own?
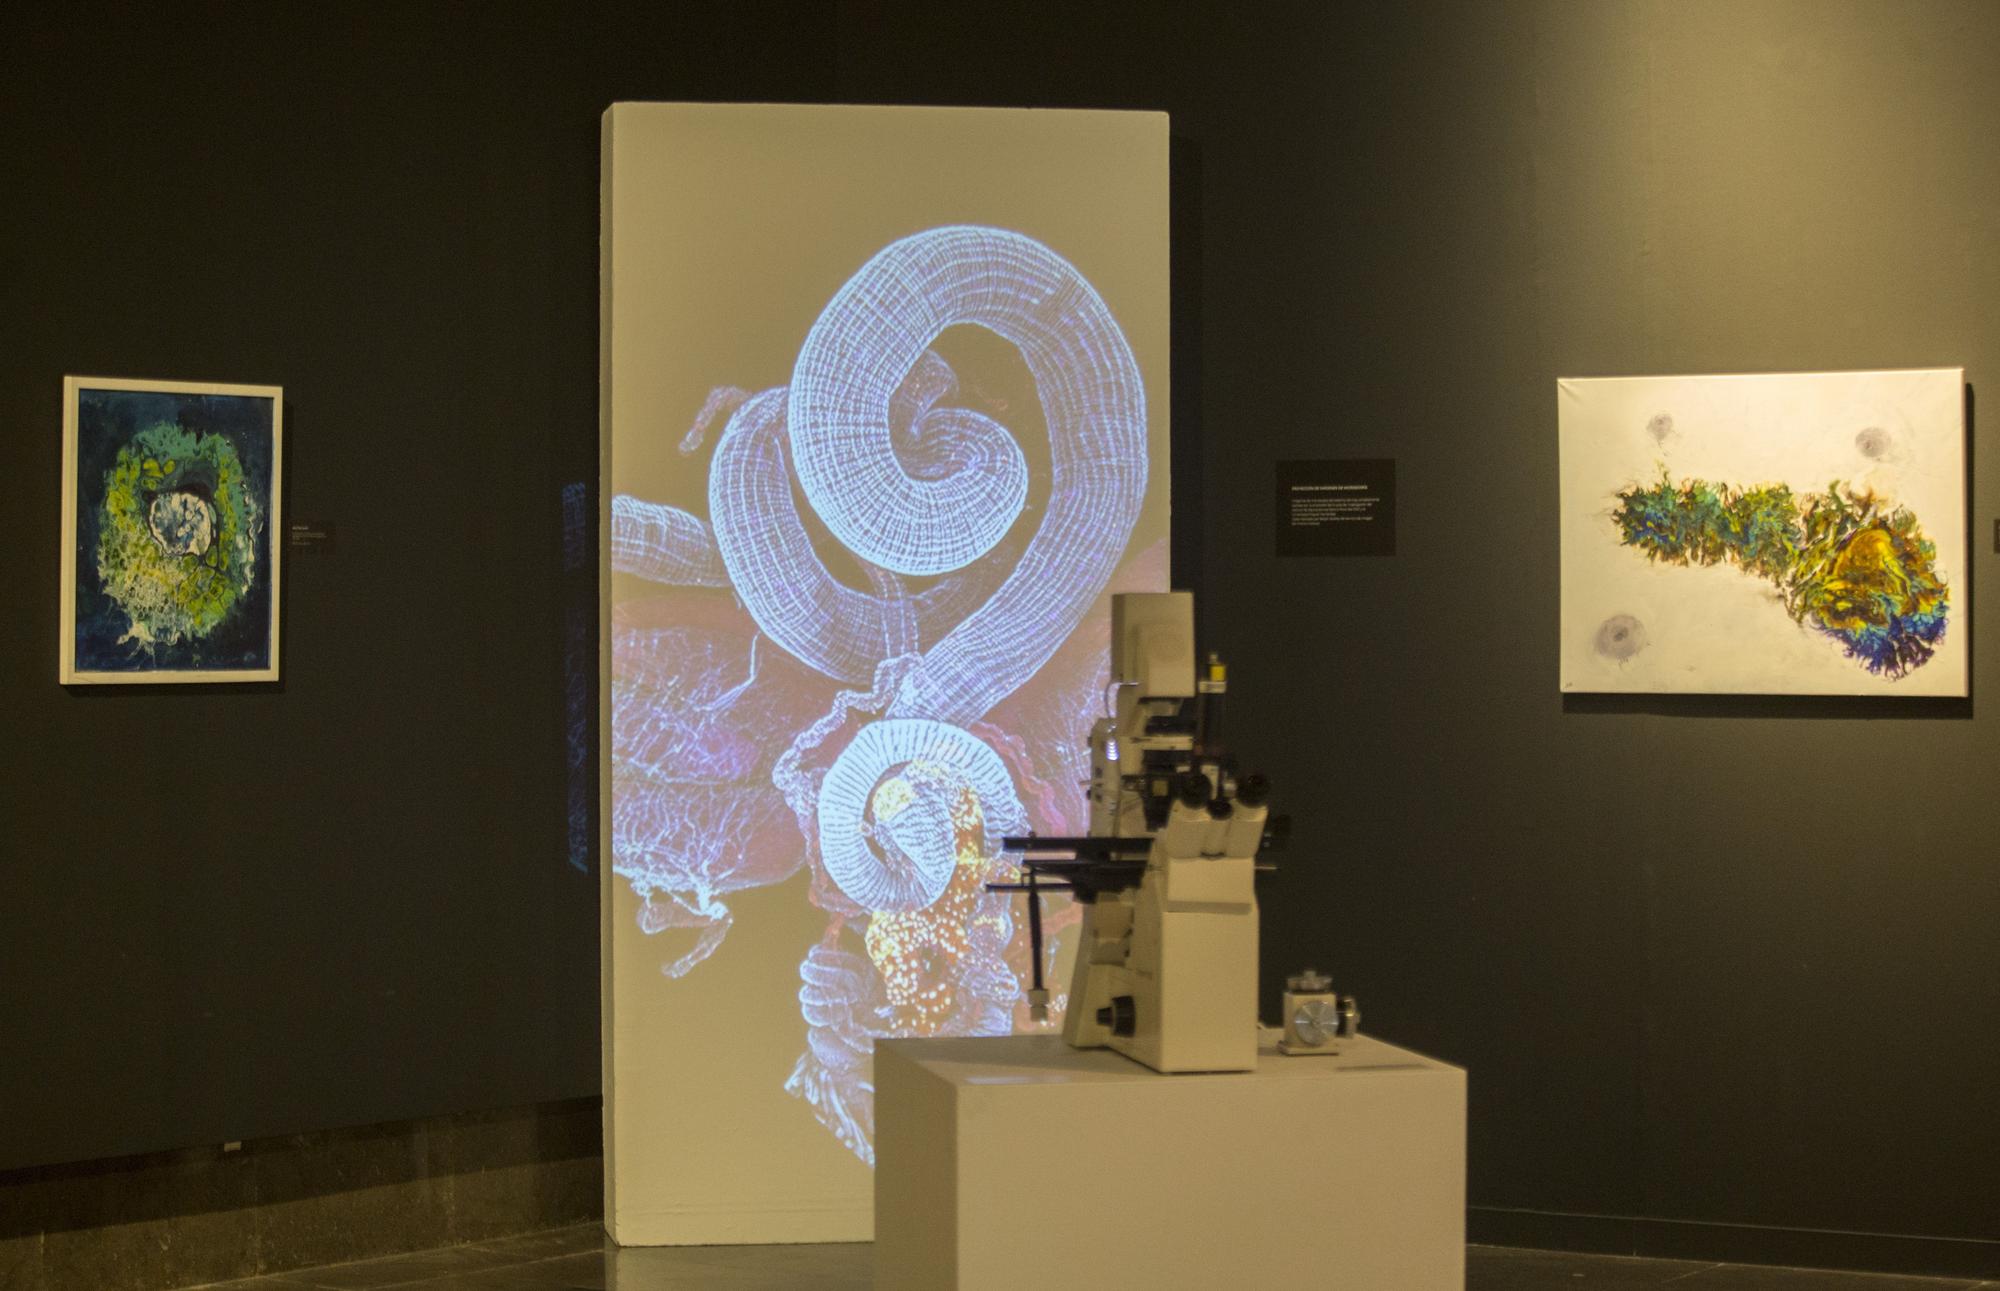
column 1337, row 508
column 310, row 535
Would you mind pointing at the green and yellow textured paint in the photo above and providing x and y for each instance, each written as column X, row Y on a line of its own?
column 174, row 536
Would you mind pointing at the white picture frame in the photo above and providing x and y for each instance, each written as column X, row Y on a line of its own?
column 1768, row 533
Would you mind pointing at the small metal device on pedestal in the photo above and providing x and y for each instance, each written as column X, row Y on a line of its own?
column 1315, row 1016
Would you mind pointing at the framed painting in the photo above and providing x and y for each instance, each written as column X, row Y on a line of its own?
column 170, row 557
column 1780, row 534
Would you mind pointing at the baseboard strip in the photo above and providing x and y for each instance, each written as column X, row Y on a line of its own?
column 1734, row 1243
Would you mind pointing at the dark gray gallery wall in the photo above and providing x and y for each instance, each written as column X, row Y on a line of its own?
column 1723, row 971
column 1729, row 962
column 347, row 898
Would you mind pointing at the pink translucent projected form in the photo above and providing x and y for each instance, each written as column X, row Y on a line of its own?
column 882, row 649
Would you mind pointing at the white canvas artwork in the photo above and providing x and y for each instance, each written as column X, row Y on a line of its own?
column 1795, row 534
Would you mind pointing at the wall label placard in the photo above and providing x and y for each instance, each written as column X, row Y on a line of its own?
column 309, row 535
column 1337, row 508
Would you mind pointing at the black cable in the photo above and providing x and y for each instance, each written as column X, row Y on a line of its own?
column 1035, row 927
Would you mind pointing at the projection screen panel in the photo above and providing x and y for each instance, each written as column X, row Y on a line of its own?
column 885, row 423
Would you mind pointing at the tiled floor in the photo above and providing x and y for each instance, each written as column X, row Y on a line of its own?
column 579, row 1259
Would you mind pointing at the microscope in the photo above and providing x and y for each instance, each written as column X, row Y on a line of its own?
column 1166, row 964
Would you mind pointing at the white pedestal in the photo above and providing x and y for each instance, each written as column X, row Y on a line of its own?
column 1019, row 1162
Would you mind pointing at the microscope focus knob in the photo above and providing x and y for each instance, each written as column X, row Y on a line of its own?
column 1120, row 1017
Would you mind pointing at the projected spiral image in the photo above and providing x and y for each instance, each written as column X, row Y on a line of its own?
column 881, row 649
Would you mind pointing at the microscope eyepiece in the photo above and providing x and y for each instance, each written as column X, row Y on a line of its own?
column 1254, row 789
column 1195, row 789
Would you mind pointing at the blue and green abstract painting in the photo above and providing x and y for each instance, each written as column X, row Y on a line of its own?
column 1765, row 533
column 173, row 543
column 1845, row 562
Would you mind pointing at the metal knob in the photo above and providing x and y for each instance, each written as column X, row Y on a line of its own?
column 1317, row 1022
